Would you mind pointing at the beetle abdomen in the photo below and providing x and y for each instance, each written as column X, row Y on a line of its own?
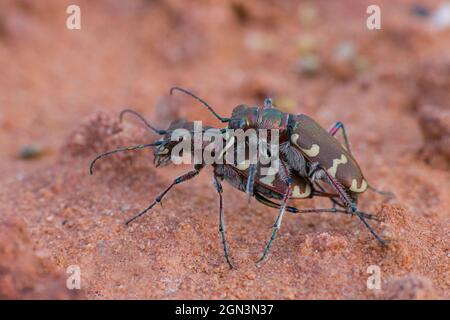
column 275, row 181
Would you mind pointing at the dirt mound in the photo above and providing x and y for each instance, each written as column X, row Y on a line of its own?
column 25, row 273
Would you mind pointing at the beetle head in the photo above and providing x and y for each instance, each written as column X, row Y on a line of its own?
column 164, row 151
column 242, row 117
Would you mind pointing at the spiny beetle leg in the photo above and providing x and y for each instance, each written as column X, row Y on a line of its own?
column 260, row 198
column 185, row 177
column 340, row 190
column 352, row 208
column 361, row 217
column 383, row 193
column 334, row 129
column 334, row 210
column 334, row 201
column 277, row 224
column 219, row 189
column 267, row 202
column 368, row 216
column 251, row 180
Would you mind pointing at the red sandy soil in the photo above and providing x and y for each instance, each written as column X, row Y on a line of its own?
column 63, row 90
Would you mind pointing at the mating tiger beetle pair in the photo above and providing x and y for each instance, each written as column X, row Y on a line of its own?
column 311, row 162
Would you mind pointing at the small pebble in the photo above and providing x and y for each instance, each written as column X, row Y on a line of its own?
column 441, row 17
column 20, row 176
column 306, row 44
column 125, row 208
column 31, row 151
column 420, row 11
column 308, row 65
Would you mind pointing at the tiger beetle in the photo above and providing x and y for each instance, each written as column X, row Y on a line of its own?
column 284, row 185
column 310, row 150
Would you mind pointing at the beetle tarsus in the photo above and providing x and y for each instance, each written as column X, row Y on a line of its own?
column 277, row 224
column 382, row 192
column 185, row 177
column 219, row 190
column 359, row 214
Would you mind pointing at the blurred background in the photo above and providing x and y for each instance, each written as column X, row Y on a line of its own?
column 61, row 92
column 315, row 57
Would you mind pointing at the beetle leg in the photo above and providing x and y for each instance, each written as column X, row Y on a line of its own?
column 351, row 205
column 219, row 189
column 340, row 190
column 185, row 177
column 251, row 180
column 267, row 202
column 277, row 224
column 334, row 201
column 334, row 129
column 259, row 197
column 334, row 210
column 361, row 217
column 383, row 193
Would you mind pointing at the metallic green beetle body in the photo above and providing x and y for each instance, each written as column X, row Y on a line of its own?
column 273, row 186
column 291, row 181
column 308, row 137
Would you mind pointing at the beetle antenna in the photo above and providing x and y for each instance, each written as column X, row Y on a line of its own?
column 382, row 192
column 202, row 101
column 142, row 146
column 160, row 132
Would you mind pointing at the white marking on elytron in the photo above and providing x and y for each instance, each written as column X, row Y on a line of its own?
column 230, row 143
column 354, row 186
column 311, row 152
column 269, row 179
column 336, row 163
column 243, row 165
column 164, row 151
column 296, row 193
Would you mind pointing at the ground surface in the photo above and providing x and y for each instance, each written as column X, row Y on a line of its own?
column 62, row 90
